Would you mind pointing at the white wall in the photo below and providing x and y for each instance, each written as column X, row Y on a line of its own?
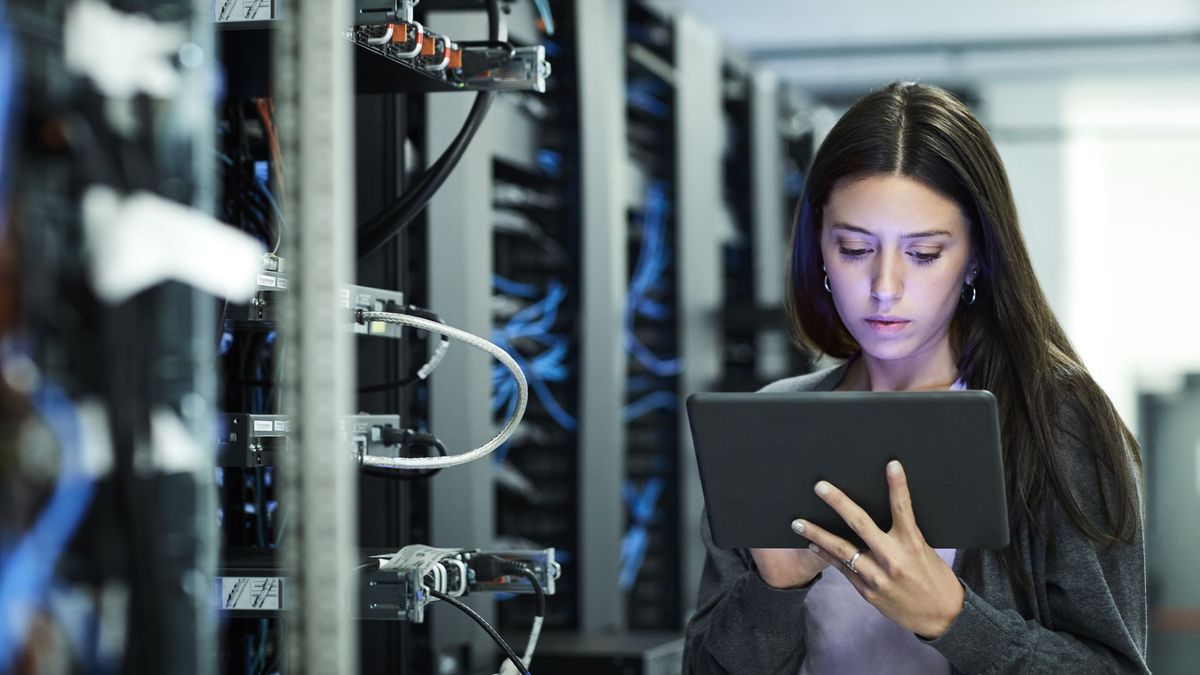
column 1106, row 173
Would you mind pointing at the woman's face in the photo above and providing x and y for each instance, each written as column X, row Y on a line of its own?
column 897, row 254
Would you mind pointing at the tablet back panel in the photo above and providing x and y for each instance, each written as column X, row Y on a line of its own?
column 761, row 454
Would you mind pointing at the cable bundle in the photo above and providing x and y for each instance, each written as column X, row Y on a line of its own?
column 642, row 508
column 649, row 281
column 532, row 325
column 653, row 259
column 249, row 200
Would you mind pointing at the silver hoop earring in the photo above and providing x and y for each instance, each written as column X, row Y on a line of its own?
column 827, row 289
column 973, row 294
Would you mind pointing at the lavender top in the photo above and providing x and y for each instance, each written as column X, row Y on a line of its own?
column 847, row 635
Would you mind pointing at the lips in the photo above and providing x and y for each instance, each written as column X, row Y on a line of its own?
column 887, row 325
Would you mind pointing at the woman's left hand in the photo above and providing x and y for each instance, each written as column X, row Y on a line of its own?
column 900, row 574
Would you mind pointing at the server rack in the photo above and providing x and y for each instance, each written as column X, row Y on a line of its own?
column 650, row 547
column 537, row 312
column 105, row 522
column 698, row 57
column 390, row 131
column 1168, row 429
column 765, row 157
column 739, row 254
column 392, row 512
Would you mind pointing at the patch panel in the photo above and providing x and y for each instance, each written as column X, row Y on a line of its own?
column 245, row 440
column 252, row 586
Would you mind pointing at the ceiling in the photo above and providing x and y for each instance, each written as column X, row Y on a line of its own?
column 818, row 44
column 773, row 24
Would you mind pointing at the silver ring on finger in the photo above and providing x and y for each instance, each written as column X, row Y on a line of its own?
column 851, row 560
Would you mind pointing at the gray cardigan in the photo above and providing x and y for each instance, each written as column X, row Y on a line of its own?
column 1085, row 613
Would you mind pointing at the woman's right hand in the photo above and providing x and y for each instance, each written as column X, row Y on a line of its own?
column 787, row 567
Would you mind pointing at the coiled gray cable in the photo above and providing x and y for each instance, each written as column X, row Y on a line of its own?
column 477, row 342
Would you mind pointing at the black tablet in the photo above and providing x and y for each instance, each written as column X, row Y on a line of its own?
column 761, row 454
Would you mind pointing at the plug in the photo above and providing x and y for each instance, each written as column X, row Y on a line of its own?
column 488, row 567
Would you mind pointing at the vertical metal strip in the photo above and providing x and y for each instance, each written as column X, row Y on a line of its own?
column 698, row 113
column 313, row 86
column 770, row 220
column 602, row 422
column 198, row 61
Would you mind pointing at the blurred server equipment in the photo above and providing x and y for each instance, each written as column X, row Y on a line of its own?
column 650, row 559
column 1170, row 435
column 508, row 219
column 106, row 545
column 755, row 345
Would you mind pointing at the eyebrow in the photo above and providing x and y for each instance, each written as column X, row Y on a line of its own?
column 910, row 235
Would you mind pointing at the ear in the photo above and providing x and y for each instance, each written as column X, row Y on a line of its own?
column 972, row 269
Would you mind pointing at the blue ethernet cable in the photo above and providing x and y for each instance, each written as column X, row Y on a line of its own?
column 658, row 400
column 543, row 9
column 9, row 73
column 643, row 506
column 653, row 258
column 28, row 567
column 533, row 322
column 509, row 287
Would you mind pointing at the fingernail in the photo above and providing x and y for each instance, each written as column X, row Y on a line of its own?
column 893, row 467
column 798, row 526
column 813, row 548
column 823, row 487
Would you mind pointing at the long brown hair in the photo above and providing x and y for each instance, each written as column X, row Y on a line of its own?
column 1008, row 341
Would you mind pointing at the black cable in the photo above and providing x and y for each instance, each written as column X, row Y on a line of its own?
column 267, row 206
column 490, row 566
column 406, row 438
column 388, row 223
column 394, row 218
column 537, row 588
column 508, row 651
column 388, row 386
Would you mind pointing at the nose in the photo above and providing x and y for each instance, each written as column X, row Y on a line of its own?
column 887, row 284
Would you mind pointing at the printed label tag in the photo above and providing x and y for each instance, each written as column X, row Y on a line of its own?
column 250, row 593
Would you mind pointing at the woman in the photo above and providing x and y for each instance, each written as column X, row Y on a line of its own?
column 908, row 262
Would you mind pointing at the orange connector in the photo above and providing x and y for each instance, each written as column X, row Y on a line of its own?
column 401, row 32
column 428, row 47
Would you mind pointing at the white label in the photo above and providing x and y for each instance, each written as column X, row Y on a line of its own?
column 266, row 280
column 416, row 556
column 280, row 425
column 229, row 11
column 282, row 282
column 250, row 593
column 261, row 425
